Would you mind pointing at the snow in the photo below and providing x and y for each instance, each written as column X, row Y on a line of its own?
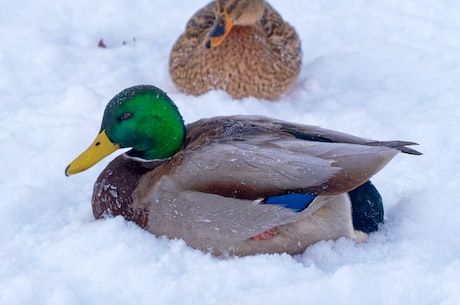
column 383, row 69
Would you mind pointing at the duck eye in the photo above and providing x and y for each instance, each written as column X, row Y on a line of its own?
column 125, row 116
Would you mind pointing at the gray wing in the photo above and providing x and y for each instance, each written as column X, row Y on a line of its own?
column 267, row 166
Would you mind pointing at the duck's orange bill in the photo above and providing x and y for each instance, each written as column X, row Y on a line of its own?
column 219, row 31
column 99, row 149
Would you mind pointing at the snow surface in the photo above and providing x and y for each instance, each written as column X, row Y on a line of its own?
column 382, row 69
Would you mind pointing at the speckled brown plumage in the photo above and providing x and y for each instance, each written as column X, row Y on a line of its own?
column 262, row 60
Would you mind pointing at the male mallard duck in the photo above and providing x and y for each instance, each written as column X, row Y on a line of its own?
column 241, row 46
column 235, row 185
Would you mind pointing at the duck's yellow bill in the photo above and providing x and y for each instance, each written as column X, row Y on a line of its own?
column 219, row 31
column 99, row 149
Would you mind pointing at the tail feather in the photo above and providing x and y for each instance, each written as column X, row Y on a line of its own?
column 399, row 145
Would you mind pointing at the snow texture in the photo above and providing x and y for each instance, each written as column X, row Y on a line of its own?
column 384, row 69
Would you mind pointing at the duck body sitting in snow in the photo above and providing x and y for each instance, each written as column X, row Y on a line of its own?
column 243, row 47
column 236, row 185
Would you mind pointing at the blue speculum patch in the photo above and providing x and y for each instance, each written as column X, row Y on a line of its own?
column 219, row 30
column 293, row 201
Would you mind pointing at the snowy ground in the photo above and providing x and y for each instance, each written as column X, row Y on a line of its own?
column 381, row 69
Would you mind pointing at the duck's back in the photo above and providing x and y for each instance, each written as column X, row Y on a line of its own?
column 252, row 157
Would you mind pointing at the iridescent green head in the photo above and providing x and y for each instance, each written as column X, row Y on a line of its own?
column 141, row 117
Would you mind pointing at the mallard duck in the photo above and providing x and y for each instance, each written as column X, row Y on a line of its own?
column 233, row 185
column 241, row 46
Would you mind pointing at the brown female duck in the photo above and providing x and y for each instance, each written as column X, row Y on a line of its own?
column 241, row 46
